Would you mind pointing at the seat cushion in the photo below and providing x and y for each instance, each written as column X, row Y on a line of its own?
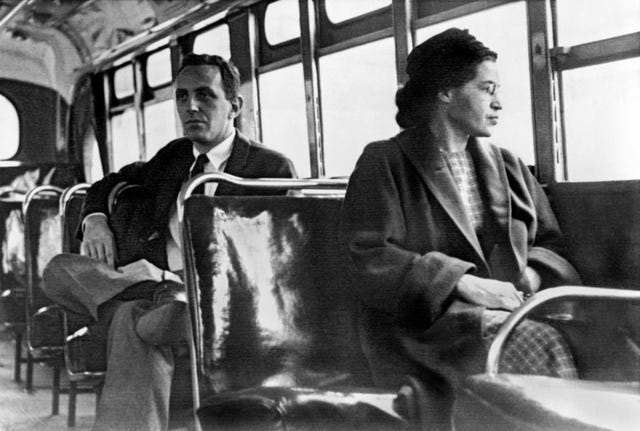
column 523, row 402
column 278, row 408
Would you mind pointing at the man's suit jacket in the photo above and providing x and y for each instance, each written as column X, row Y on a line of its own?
column 163, row 176
column 410, row 240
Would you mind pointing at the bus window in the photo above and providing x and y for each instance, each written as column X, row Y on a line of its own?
column 601, row 137
column 160, row 125
column 504, row 30
column 214, row 42
column 282, row 113
column 159, row 68
column 95, row 172
column 358, row 89
column 581, row 21
column 123, row 82
column 282, row 21
column 10, row 126
column 125, row 138
column 342, row 10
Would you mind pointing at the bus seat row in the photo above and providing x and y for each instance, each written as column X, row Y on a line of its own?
column 273, row 341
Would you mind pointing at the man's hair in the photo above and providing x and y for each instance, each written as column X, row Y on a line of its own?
column 228, row 71
column 447, row 60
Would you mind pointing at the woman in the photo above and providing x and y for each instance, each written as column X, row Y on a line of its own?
column 445, row 234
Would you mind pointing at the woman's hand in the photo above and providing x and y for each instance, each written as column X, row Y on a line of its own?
column 489, row 293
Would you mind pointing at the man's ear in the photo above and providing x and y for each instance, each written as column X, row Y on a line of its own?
column 445, row 96
column 236, row 106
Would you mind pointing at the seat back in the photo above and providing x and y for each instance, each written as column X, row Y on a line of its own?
column 604, row 248
column 43, row 240
column 70, row 209
column 267, row 302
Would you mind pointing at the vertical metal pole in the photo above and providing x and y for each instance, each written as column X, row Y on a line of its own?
column 139, row 106
column 242, row 37
column 403, row 35
column 311, row 87
column 542, row 91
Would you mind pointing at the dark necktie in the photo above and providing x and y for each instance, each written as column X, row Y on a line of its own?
column 198, row 168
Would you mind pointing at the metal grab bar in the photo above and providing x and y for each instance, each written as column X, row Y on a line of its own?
column 543, row 297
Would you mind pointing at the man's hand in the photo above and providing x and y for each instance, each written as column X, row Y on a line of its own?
column 98, row 242
column 489, row 293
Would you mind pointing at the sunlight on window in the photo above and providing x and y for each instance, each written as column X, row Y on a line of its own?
column 123, row 82
column 160, row 126
column 214, row 42
column 602, row 137
column 159, row 68
column 283, row 115
column 96, row 172
column 515, row 129
column 125, row 139
column 358, row 89
column 581, row 21
column 342, row 10
column 10, row 126
column 282, row 21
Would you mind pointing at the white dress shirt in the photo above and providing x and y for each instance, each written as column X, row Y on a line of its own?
column 218, row 157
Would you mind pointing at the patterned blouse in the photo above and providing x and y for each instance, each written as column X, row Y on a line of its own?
column 461, row 167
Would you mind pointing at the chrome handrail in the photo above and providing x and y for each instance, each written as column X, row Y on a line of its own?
column 544, row 297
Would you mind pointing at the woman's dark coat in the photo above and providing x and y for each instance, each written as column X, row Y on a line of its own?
column 410, row 241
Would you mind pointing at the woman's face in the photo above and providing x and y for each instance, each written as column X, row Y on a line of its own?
column 473, row 107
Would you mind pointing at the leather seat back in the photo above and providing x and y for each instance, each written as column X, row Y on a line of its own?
column 271, row 308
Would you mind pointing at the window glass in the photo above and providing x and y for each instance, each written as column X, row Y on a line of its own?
column 10, row 126
column 358, row 89
column 504, row 30
column 214, row 42
column 160, row 126
column 125, row 138
column 159, row 68
column 123, row 81
column 282, row 21
column 96, row 165
column 283, row 115
column 581, row 21
column 342, row 10
column 601, row 137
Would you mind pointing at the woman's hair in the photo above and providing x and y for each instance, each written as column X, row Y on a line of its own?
column 447, row 60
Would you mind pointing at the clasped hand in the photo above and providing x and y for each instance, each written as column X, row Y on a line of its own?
column 489, row 293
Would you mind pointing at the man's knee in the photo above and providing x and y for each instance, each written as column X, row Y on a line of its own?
column 58, row 268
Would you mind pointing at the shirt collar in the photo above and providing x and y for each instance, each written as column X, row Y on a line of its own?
column 219, row 154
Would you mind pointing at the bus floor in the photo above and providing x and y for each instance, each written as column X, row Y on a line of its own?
column 21, row 411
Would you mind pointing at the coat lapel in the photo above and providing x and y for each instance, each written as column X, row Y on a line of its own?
column 170, row 180
column 494, row 185
column 419, row 148
column 236, row 165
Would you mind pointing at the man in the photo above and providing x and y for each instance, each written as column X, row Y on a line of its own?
column 142, row 303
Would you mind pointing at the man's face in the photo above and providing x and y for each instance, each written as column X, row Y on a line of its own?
column 205, row 112
column 474, row 106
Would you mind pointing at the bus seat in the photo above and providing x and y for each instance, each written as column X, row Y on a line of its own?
column 526, row 402
column 604, row 249
column 272, row 318
column 12, row 272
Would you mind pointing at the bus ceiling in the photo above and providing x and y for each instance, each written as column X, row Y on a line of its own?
column 68, row 37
